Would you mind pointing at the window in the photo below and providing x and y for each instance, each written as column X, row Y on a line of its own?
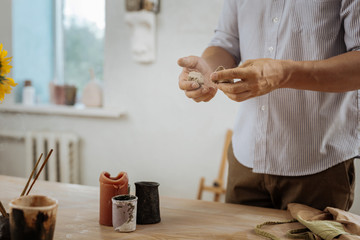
column 61, row 39
column 83, row 25
column 33, row 46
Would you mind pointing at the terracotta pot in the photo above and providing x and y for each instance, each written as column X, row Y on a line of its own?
column 59, row 94
column 110, row 187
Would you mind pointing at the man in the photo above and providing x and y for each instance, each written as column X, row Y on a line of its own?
column 297, row 130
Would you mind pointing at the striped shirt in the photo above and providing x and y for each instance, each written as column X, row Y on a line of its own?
column 293, row 132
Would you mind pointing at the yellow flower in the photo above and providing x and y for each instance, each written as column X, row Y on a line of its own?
column 4, row 62
column 5, row 82
column 5, row 87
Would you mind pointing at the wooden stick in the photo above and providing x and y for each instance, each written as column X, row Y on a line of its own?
column 31, row 175
column 37, row 175
column 2, row 210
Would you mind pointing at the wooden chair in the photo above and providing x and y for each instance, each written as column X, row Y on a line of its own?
column 217, row 187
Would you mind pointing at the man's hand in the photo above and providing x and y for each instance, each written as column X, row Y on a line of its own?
column 199, row 93
column 258, row 77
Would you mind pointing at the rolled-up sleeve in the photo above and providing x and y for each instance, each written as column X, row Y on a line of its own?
column 227, row 33
column 350, row 15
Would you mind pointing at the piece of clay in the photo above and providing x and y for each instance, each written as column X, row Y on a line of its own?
column 220, row 68
column 197, row 77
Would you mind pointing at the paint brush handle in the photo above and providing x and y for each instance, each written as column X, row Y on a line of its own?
column 3, row 211
column 42, row 166
column 31, row 175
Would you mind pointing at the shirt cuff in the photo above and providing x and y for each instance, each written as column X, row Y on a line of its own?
column 228, row 42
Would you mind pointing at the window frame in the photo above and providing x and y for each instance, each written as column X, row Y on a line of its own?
column 59, row 42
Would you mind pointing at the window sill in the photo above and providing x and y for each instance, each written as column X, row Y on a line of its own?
column 62, row 110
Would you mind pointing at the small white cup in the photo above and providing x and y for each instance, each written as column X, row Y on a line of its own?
column 124, row 212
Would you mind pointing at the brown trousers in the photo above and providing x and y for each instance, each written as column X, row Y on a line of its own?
column 333, row 187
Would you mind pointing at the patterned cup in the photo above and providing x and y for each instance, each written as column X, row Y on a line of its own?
column 124, row 212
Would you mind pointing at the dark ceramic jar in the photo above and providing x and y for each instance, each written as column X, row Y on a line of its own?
column 148, row 211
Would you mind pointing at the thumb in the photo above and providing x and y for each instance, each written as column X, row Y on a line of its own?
column 188, row 62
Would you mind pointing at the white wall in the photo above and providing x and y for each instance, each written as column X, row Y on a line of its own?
column 6, row 30
column 164, row 136
column 5, row 24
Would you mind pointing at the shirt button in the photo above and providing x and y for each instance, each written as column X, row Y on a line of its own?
column 271, row 49
column 263, row 108
column 275, row 20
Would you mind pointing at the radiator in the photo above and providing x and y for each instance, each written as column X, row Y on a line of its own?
column 63, row 164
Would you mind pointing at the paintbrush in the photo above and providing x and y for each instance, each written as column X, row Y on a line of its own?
column 41, row 168
column 3, row 211
column 31, row 175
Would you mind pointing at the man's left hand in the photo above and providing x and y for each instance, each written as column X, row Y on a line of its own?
column 257, row 77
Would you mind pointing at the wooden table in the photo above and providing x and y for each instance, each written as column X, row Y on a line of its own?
column 78, row 215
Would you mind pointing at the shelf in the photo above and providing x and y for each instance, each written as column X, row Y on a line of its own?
column 62, row 110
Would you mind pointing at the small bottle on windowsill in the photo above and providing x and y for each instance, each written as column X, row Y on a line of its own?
column 28, row 94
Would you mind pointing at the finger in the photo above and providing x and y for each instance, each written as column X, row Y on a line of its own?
column 234, row 88
column 206, row 97
column 247, row 63
column 239, row 97
column 199, row 93
column 210, row 96
column 194, row 93
column 187, row 62
column 188, row 85
column 191, row 62
column 234, row 73
column 201, row 99
column 184, row 84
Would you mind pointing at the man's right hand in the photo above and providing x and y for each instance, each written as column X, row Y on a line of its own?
column 199, row 93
